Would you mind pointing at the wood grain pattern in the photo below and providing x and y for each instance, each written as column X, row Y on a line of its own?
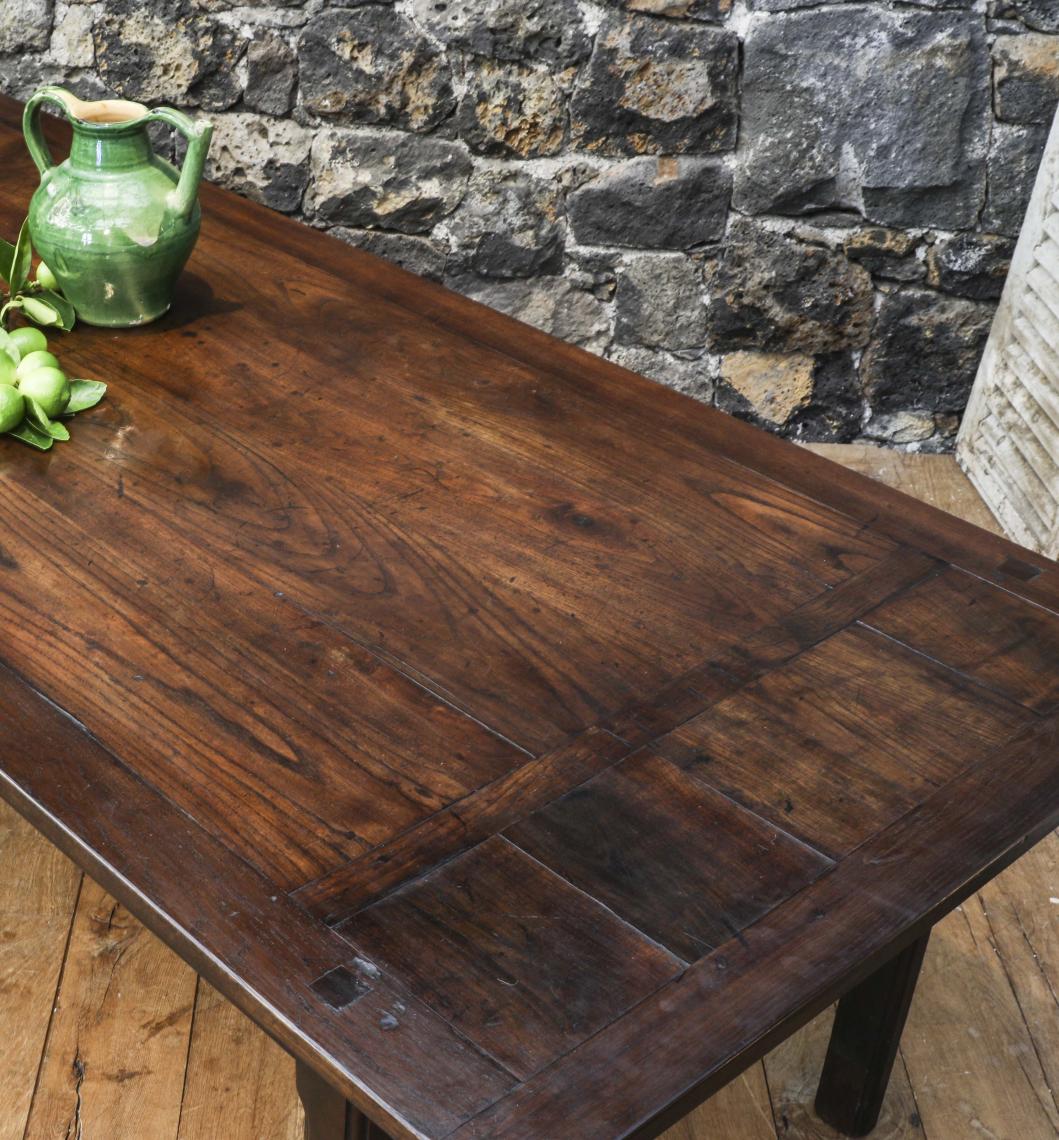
column 811, row 747
column 38, row 893
column 123, row 1008
column 984, row 633
column 523, row 964
column 301, row 622
column 672, row 857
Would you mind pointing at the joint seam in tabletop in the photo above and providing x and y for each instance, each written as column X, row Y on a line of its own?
column 958, row 887
column 978, row 682
column 203, row 959
column 317, row 895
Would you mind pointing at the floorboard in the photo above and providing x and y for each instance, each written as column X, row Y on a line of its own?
column 138, row 1049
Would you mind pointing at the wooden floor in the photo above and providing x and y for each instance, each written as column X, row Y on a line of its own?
column 106, row 1035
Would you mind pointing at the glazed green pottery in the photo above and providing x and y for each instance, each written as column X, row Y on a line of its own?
column 114, row 221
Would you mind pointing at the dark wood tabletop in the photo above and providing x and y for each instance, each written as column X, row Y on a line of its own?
column 525, row 746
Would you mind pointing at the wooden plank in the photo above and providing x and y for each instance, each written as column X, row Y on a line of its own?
column 50, row 761
column 520, row 962
column 1022, row 909
column 496, row 806
column 739, row 1111
column 240, row 1084
column 118, row 1041
column 967, row 1047
column 918, row 866
column 459, row 827
column 672, row 857
column 984, row 633
column 811, row 746
column 38, row 892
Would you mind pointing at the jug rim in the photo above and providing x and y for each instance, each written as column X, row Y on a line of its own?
column 110, row 115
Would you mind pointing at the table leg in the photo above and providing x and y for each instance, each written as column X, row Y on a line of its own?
column 328, row 1115
column 864, row 1041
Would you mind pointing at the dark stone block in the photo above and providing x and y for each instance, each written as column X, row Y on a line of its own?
column 657, row 87
column 865, row 108
column 970, row 265
column 513, row 109
column 1040, row 15
column 653, row 203
column 770, row 291
column 416, row 254
column 925, row 352
column 1014, row 156
column 371, row 65
column 1026, row 78
column 271, row 73
column 548, row 31
column 507, row 226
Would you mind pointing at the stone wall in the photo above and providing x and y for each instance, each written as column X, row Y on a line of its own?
column 801, row 210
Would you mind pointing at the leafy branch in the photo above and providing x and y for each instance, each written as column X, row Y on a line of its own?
column 39, row 299
column 35, row 393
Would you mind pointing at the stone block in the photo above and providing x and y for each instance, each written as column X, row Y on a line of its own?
column 546, row 31
column 271, row 73
column 261, row 158
column 677, row 9
column 812, row 398
column 385, row 179
column 554, row 304
column 659, row 302
column 1026, row 78
column 885, row 253
column 158, row 56
column 1014, row 156
column 693, row 375
column 508, row 225
column 416, row 254
column 775, row 293
column 970, row 265
column 653, row 203
column 1040, row 15
column 657, row 87
column 371, row 65
column 925, row 352
column 25, row 25
column 882, row 111
column 513, row 109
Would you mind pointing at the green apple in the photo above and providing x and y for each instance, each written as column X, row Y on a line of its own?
column 8, row 369
column 12, row 408
column 49, row 387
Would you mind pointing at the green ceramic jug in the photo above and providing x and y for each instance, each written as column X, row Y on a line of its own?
column 114, row 221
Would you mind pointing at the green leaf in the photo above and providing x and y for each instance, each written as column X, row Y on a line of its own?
column 20, row 261
column 29, row 434
column 67, row 316
column 38, row 418
column 84, row 394
column 41, row 312
column 10, row 346
column 7, row 254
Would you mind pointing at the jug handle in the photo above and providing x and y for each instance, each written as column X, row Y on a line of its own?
column 198, row 135
column 31, row 128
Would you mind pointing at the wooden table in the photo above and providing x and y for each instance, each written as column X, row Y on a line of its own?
column 526, row 747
